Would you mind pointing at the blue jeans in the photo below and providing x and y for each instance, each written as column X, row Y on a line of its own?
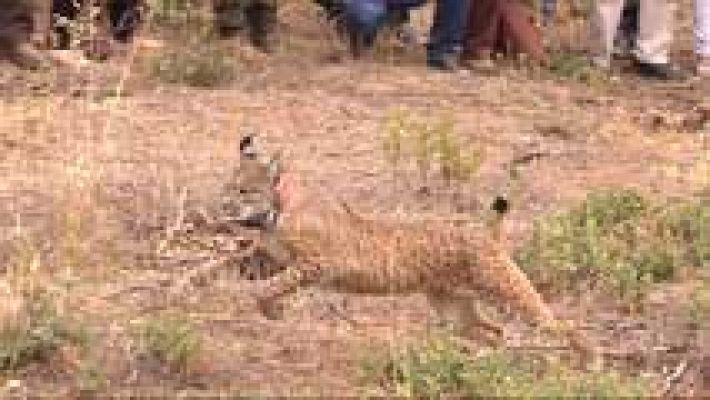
column 366, row 17
column 448, row 30
column 702, row 27
column 548, row 11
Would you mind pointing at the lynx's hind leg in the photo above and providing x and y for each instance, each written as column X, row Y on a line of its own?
column 473, row 323
column 501, row 276
column 590, row 356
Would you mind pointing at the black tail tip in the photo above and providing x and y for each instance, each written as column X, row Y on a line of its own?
column 500, row 205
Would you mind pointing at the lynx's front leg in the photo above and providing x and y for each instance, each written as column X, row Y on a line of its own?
column 41, row 23
column 284, row 284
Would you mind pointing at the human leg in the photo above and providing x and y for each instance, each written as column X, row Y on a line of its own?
column 655, row 39
column 447, row 32
column 229, row 16
column 261, row 18
column 655, row 31
column 548, row 11
column 605, row 19
column 702, row 36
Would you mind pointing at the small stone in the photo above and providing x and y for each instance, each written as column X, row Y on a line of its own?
column 13, row 384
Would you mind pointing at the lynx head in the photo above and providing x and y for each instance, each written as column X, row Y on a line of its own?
column 257, row 192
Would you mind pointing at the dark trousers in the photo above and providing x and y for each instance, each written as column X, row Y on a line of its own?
column 502, row 26
column 447, row 32
column 548, row 10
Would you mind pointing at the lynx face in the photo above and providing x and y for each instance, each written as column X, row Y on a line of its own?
column 251, row 198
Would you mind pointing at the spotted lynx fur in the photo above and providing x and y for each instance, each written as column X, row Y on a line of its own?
column 450, row 264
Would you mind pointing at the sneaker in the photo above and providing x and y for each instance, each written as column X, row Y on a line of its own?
column 702, row 68
column 664, row 72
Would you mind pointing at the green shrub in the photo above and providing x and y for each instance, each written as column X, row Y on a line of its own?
column 690, row 223
column 429, row 371
column 617, row 241
column 197, row 61
column 699, row 309
column 432, row 147
column 438, row 369
column 171, row 341
column 176, row 14
column 36, row 335
column 90, row 378
column 575, row 67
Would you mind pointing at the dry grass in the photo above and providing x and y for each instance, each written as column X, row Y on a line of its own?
column 91, row 181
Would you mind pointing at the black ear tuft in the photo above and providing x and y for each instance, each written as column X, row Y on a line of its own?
column 500, row 205
column 246, row 146
column 275, row 168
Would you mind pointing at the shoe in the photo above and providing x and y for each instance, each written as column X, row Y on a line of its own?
column 447, row 63
column 664, row 72
column 407, row 36
column 481, row 61
column 623, row 48
column 600, row 62
column 702, row 68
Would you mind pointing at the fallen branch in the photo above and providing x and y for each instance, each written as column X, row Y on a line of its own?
column 538, row 348
column 673, row 378
column 198, row 272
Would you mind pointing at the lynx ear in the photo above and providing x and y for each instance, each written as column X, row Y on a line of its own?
column 274, row 169
column 246, row 146
column 287, row 191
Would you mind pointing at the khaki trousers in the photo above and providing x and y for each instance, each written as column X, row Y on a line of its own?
column 702, row 27
column 655, row 30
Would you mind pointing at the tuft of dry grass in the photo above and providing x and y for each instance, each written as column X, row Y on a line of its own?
column 198, row 61
column 430, row 146
column 32, row 329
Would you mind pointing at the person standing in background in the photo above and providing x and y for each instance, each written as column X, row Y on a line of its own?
column 447, row 34
column 256, row 17
column 702, row 37
column 548, row 10
column 506, row 27
column 652, row 55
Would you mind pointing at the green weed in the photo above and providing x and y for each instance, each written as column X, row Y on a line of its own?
column 431, row 147
column 195, row 59
column 618, row 241
column 575, row 67
column 35, row 327
column 690, row 223
column 437, row 369
column 699, row 310
column 171, row 341
column 90, row 378
column 176, row 14
column 37, row 334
